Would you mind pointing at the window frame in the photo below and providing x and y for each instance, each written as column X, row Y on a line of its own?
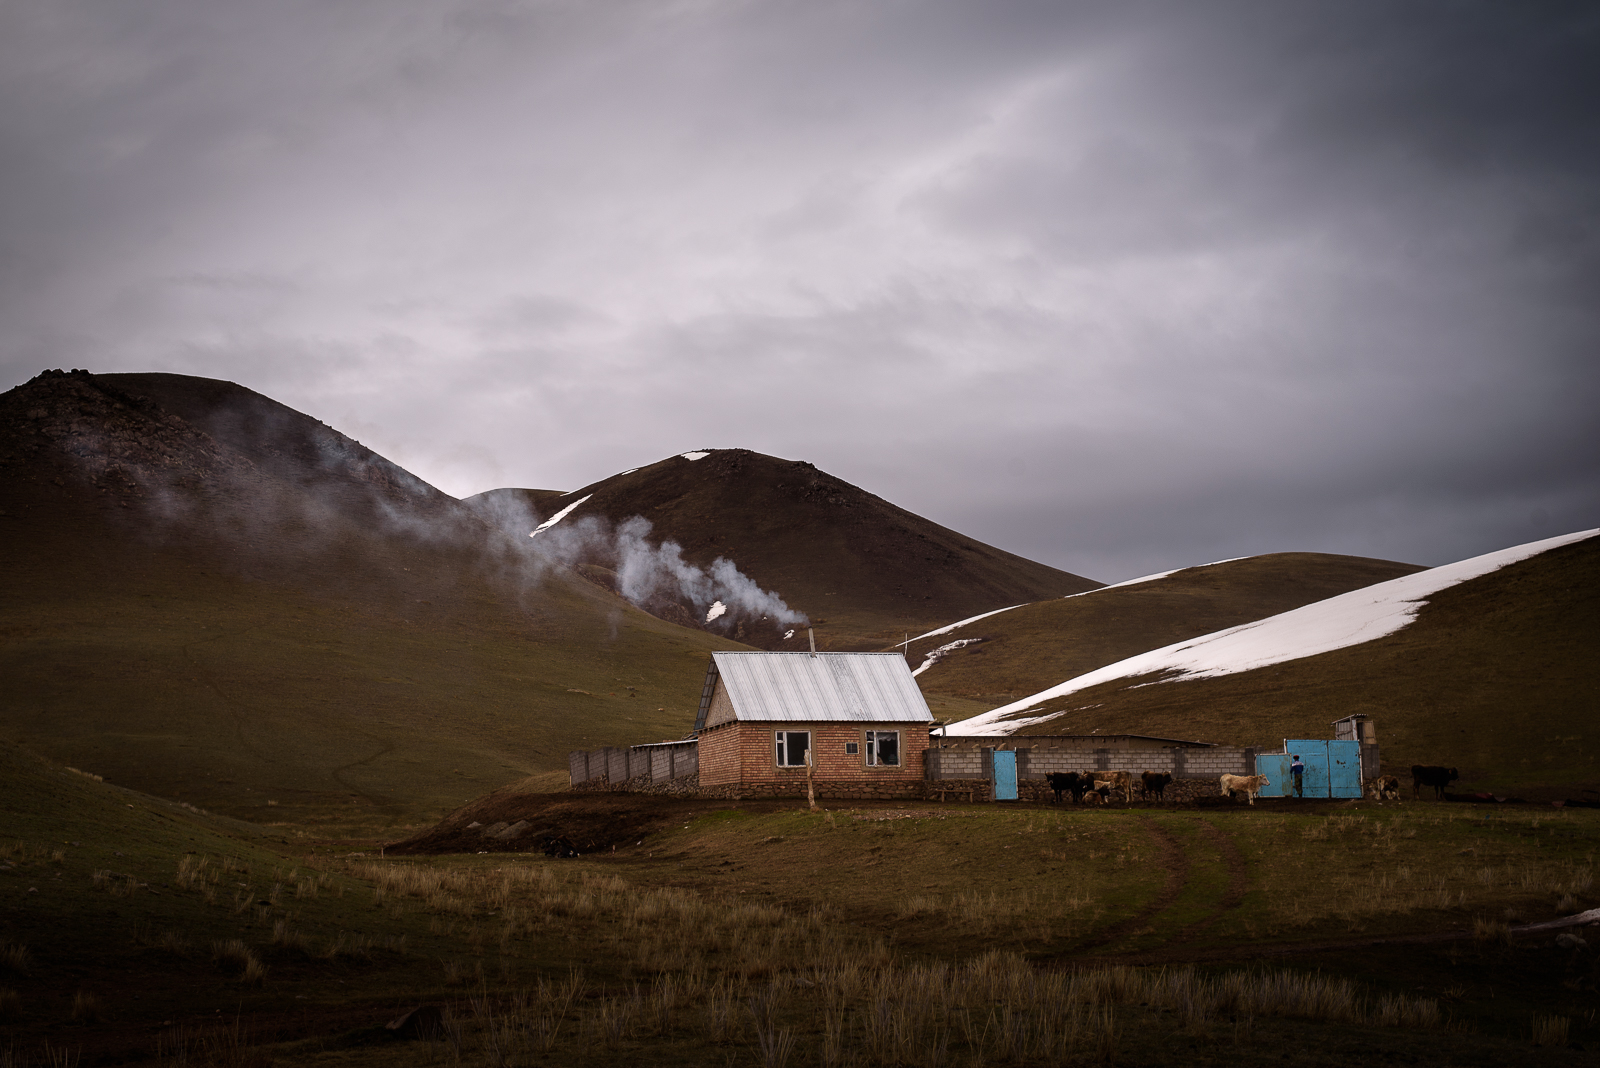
column 872, row 750
column 781, row 744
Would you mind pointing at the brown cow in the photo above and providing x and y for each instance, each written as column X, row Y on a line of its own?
column 1116, row 780
column 1385, row 788
column 1155, row 782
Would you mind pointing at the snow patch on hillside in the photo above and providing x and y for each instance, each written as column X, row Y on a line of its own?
column 953, row 626
column 694, row 455
column 558, row 517
column 717, row 608
column 1115, row 585
column 943, row 651
column 1352, row 618
column 1153, row 578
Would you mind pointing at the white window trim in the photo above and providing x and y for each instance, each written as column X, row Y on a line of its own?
column 780, row 743
column 870, row 751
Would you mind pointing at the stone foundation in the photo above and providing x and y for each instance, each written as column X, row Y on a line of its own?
column 1177, row 790
column 886, row 790
column 1032, row 790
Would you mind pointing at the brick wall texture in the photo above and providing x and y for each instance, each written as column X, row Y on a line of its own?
column 744, row 755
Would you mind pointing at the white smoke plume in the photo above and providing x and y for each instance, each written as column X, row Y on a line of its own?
column 650, row 573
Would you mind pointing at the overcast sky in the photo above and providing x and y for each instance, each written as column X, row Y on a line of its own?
column 1121, row 287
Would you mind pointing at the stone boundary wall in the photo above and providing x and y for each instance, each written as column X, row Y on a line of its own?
column 1038, row 790
column 827, row 790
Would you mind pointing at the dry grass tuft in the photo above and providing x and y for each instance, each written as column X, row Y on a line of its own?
column 1487, row 930
column 15, row 958
column 85, row 1007
column 284, row 936
column 1551, row 1030
column 233, row 955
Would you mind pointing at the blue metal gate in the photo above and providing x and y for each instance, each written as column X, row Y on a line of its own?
column 1333, row 769
column 1005, row 775
column 1313, row 753
column 1344, row 769
column 1275, row 766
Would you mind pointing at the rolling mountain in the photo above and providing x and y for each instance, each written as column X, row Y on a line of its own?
column 212, row 597
column 861, row 571
column 1487, row 665
column 216, row 598
column 1001, row 656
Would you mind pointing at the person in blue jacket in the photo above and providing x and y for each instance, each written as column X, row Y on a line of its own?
column 1298, row 770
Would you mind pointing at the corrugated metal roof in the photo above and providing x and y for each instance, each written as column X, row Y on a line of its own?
column 847, row 687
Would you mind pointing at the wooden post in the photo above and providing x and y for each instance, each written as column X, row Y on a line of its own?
column 811, row 780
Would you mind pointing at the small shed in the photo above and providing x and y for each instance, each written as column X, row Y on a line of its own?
column 859, row 718
column 1361, row 730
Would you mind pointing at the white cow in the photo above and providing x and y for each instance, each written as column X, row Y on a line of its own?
column 1250, row 784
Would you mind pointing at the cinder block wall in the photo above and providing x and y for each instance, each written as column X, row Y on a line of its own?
column 1181, row 763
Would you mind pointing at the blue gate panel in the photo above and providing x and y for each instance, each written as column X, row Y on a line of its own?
column 1275, row 766
column 1344, row 769
column 1313, row 754
column 1005, row 775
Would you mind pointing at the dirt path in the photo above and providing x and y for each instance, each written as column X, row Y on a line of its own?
column 1175, row 861
column 1238, row 883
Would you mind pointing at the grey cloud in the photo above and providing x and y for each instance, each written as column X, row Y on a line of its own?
column 1120, row 286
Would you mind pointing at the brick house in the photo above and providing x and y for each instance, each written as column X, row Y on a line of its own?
column 858, row 717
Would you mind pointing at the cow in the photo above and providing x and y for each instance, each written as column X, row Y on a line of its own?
column 1154, row 782
column 1431, row 775
column 1385, row 788
column 1099, row 793
column 1116, row 780
column 1250, row 784
column 1068, row 781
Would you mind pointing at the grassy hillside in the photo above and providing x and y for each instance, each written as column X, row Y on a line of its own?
column 863, row 570
column 233, row 628
column 1027, row 649
column 1496, row 676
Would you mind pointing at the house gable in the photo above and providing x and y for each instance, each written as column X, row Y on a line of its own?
column 721, row 708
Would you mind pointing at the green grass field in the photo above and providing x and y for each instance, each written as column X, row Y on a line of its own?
column 137, row 931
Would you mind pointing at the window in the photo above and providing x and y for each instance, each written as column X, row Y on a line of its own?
column 883, row 748
column 852, row 748
column 792, row 747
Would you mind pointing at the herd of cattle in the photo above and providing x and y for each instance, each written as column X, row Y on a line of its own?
column 1101, row 786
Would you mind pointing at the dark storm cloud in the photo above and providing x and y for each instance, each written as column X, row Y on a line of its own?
column 1122, row 287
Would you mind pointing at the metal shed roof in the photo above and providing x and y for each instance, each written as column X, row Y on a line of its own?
column 844, row 687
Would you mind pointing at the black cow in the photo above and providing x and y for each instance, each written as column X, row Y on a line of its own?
column 1155, row 782
column 1431, row 775
column 1065, row 781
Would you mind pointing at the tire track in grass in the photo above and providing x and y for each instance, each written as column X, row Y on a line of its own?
column 1174, row 859
column 1238, row 882
column 1207, row 878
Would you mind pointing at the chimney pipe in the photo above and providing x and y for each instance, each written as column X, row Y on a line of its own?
column 812, row 638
